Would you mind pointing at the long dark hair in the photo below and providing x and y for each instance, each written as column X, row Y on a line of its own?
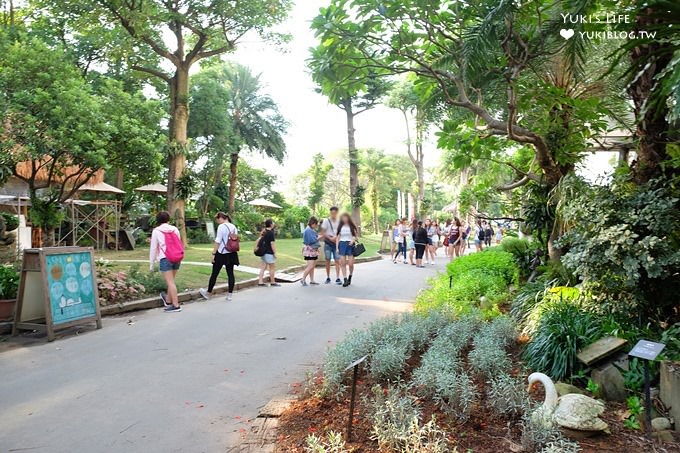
column 349, row 222
column 269, row 223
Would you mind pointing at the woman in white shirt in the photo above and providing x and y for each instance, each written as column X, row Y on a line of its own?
column 344, row 242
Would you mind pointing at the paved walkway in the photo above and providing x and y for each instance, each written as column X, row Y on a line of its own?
column 241, row 268
column 185, row 382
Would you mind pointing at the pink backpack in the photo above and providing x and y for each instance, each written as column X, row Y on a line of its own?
column 174, row 249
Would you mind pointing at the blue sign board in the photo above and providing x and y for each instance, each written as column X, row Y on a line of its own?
column 71, row 286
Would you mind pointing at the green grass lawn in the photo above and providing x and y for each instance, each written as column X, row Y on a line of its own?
column 289, row 253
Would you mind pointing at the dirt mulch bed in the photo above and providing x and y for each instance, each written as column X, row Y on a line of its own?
column 484, row 432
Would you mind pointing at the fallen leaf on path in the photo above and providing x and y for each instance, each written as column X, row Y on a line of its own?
column 200, row 406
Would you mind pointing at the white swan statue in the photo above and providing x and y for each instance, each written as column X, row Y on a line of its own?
column 572, row 411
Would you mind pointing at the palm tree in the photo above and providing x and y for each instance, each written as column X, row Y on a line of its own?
column 257, row 123
column 378, row 169
column 233, row 114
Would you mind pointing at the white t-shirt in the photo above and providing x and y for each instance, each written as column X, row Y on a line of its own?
column 222, row 236
column 330, row 228
column 346, row 234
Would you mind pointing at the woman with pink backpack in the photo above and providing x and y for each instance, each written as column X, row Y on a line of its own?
column 168, row 249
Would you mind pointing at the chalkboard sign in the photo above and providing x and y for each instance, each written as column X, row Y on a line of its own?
column 645, row 349
column 58, row 289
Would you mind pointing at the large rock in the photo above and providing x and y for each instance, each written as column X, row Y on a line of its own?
column 611, row 383
column 661, row 424
column 564, row 389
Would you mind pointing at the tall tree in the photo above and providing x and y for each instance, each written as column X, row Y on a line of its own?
column 354, row 92
column 317, row 181
column 404, row 97
column 471, row 49
column 199, row 28
column 378, row 169
column 234, row 115
column 55, row 128
column 653, row 50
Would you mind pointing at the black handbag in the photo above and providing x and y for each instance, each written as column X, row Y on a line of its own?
column 358, row 249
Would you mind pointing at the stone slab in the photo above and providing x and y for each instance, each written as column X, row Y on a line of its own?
column 602, row 348
column 277, row 406
column 670, row 389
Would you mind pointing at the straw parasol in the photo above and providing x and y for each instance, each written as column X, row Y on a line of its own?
column 153, row 188
column 450, row 208
column 100, row 187
column 262, row 203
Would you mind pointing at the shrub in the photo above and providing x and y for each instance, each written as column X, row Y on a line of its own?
column 198, row 236
column 624, row 247
column 527, row 298
column 334, row 444
column 491, row 261
column 9, row 282
column 464, row 295
column 507, row 395
column 152, row 282
column 388, row 362
column 11, row 221
column 543, row 437
column 488, row 356
column 455, row 393
column 560, row 328
column 115, row 286
column 396, row 424
column 522, row 251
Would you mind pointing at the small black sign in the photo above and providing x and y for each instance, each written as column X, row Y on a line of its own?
column 648, row 350
column 356, row 362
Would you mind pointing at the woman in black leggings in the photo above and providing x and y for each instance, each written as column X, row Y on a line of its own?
column 221, row 256
column 420, row 240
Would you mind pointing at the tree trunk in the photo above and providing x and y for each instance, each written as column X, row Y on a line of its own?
column 652, row 127
column 420, row 171
column 118, row 180
column 353, row 165
column 374, row 196
column 554, row 252
column 233, row 178
column 179, row 110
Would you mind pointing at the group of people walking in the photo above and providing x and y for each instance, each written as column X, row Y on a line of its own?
column 336, row 236
column 412, row 241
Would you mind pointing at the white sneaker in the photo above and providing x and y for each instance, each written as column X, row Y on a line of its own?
column 229, row 296
column 204, row 293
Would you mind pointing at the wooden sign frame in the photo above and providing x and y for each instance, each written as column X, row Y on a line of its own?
column 38, row 314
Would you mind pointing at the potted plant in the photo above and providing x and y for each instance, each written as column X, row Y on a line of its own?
column 11, row 221
column 9, row 287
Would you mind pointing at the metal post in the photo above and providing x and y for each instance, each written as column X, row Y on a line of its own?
column 351, row 403
column 648, row 402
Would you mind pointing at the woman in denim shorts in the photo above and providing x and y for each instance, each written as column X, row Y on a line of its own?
column 344, row 241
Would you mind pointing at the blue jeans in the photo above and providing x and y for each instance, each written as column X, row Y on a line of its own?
column 330, row 252
column 401, row 248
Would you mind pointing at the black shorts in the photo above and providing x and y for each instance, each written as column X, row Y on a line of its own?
column 420, row 251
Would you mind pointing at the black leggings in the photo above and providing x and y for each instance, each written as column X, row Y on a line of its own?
column 226, row 261
column 420, row 251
